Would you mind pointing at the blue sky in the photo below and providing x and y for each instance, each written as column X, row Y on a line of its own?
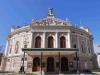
column 20, row 12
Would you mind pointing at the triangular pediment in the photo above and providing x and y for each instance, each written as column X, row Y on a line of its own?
column 51, row 20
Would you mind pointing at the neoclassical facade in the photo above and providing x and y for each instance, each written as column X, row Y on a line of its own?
column 49, row 44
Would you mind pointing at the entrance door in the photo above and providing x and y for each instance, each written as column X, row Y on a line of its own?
column 36, row 64
column 50, row 64
column 64, row 64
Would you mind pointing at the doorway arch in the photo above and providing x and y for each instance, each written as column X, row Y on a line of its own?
column 50, row 64
column 36, row 64
column 64, row 64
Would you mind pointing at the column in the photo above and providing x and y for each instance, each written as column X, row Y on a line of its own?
column 23, row 67
column 69, row 40
column 78, row 42
column 43, row 45
column 59, row 63
column 56, row 40
column 41, row 62
column 78, row 52
column 77, row 58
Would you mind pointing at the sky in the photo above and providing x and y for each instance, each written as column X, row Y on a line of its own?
column 20, row 12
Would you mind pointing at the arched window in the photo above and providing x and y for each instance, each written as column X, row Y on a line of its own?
column 38, row 42
column 62, row 42
column 50, row 42
column 17, row 47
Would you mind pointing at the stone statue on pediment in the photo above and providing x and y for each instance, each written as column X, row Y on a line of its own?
column 50, row 12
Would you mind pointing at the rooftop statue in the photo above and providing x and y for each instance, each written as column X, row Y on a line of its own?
column 50, row 12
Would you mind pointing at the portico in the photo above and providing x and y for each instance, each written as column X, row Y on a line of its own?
column 51, row 59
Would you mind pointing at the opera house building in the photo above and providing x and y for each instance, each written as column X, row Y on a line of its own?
column 49, row 44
